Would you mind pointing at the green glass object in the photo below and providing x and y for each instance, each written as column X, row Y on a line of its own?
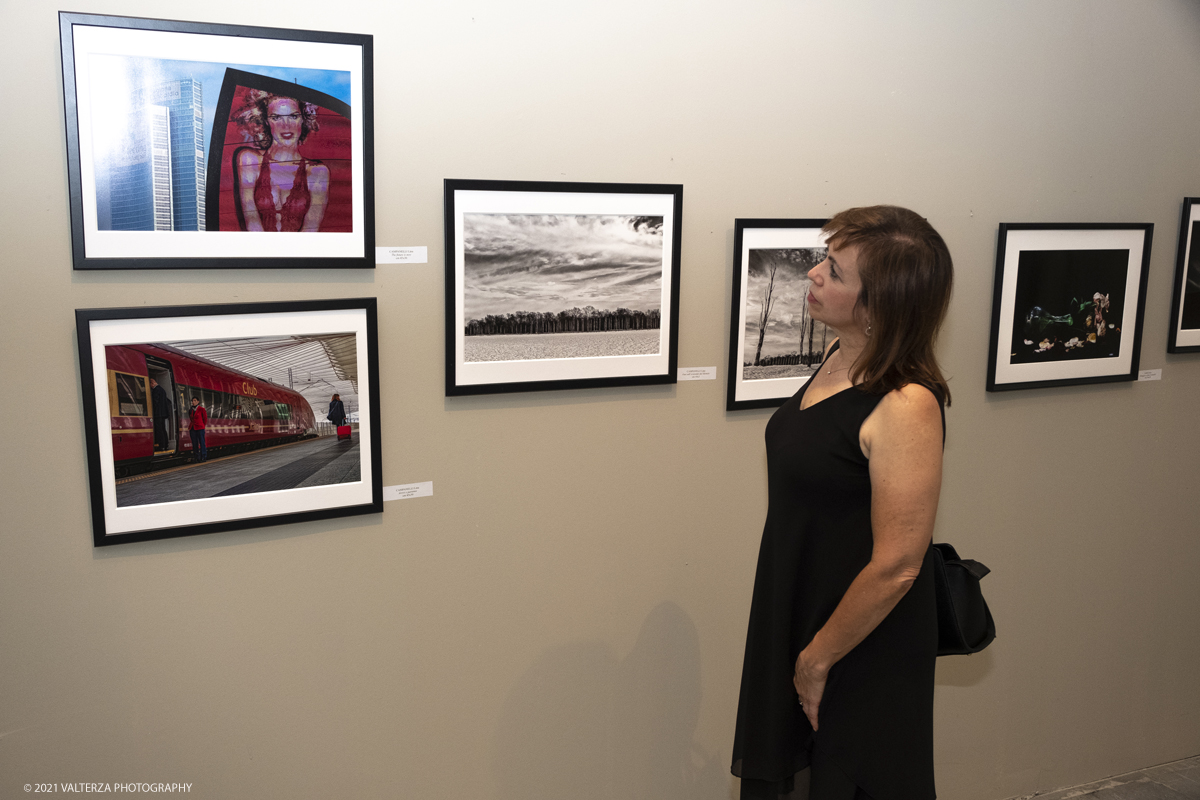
column 1037, row 321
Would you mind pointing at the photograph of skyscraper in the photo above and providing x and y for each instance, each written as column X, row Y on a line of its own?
column 156, row 180
column 151, row 120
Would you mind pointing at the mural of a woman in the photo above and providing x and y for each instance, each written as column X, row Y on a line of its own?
column 278, row 189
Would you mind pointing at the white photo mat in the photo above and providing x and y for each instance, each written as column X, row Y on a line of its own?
column 133, row 519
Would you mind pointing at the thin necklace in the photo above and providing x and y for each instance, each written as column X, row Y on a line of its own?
column 830, row 371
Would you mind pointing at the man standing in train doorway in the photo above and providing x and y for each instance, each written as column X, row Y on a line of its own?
column 199, row 423
column 162, row 412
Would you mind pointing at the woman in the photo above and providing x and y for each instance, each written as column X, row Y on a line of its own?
column 838, row 671
column 279, row 189
column 337, row 411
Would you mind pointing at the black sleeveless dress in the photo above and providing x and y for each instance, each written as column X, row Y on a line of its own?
column 876, row 716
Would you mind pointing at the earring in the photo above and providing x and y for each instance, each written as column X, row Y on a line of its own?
column 868, row 327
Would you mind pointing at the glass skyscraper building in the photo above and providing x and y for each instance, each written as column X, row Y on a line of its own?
column 158, row 183
column 140, row 176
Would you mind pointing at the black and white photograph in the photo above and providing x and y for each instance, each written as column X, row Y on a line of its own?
column 189, row 142
column 204, row 418
column 1068, row 304
column 540, row 286
column 775, row 345
column 560, row 285
column 1185, row 295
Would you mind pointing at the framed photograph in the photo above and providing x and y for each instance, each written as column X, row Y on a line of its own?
column 560, row 285
column 1067, row 305
column 1185, row 297
column 220, row 417
column 188, row 143
column 775, row 345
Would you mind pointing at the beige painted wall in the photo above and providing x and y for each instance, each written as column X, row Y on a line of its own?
column 565, row 616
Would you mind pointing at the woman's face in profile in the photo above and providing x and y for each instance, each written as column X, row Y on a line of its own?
column 833, row 296
column 283, row 115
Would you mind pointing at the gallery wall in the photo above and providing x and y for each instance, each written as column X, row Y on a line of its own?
column 565, row 616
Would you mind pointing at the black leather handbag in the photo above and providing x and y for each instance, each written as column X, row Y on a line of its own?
column 965, row 623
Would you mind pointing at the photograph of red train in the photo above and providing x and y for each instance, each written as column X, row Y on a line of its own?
column 243, row 412
column 172, row 406
column 208, row 418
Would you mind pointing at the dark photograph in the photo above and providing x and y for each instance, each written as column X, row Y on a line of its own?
column 1069, row 305
column 781, row 339
column 1184, row 334
column 1191, row 288
column 219, row 417
column 554, row 286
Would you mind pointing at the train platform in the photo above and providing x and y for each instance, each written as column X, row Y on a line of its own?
column 314, row 462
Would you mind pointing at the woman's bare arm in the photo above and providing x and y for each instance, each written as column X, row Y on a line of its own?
column 903, row 440
column 249, row 163
column 318, row 191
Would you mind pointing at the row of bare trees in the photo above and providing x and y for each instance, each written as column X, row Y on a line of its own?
column 812, row 349
column 576, row 320
column 771, row 260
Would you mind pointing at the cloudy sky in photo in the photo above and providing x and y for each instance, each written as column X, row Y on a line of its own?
column 787, row 310
column 555, row 262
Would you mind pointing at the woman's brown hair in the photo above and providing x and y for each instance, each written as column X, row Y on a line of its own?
column 252, row 118
column 907, row 276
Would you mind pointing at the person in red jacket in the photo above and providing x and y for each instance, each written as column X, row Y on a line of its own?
column 199, row 423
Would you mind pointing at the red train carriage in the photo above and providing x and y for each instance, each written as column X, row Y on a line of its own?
column 243, row 411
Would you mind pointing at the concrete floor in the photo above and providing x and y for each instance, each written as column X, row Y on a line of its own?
column 1179, row 780
column 315, row 462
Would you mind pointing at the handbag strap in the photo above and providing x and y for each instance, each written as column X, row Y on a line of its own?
column 974, row 567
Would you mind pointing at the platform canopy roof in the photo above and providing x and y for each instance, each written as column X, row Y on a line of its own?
column 314, row 366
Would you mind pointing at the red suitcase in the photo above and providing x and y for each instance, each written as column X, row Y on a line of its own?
column 343, row 432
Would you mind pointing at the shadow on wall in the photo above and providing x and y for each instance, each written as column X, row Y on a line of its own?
column 582, row 724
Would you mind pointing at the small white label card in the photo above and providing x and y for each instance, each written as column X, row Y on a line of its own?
column 401, row 255
column 408, row 490
column 697, row 374
column 1150, row 375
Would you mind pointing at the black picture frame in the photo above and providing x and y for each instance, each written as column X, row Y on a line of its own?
column 1184, row 336
column 567, row 285
column 761, row 248
column 1068, row 304
column 265, row 465
column 150, row 160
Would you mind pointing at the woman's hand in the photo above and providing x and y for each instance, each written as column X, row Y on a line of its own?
column 809, row 681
